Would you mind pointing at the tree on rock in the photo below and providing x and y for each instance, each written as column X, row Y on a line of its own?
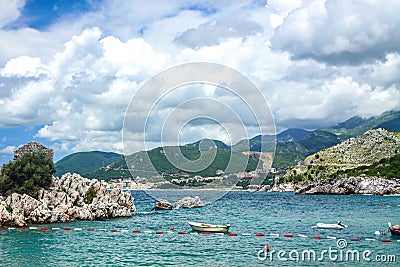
column 27, row 174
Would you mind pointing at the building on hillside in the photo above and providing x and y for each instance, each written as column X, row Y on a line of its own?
column 33, row 147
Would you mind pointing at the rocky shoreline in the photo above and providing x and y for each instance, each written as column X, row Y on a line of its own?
column 70, row 198
column 351, row 185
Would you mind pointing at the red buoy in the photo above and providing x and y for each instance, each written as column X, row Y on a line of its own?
column 267, row 249
column 22, row 228
column 159, row 232
column 67, row 228
column 181, row 233
column 136, row 231
column 386, row 240
column 44, row 229
column 317, row 237
column 260, row 235
column 172, row 228
column 90, row 229
column 288, row 235
column 232, row 234
column 206, row 233
column 355, row 239
column 113, row 230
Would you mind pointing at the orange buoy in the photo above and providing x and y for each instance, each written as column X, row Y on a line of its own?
column 386, row 240
column 90, row 229
column 159, row 232
column 172, row 228
column 181, row 233
column 113, row 230
column 136, row 231
column 67, row 228
column 355, row 239
column 382, row 205
column 288, row 235
column 232, row 234
column 206, row 233
column 267, row 249
column 260, row 235
column 44, row 229
column 317, row 237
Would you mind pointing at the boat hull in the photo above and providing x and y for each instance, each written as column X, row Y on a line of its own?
column 203, row 227
column 329, row 226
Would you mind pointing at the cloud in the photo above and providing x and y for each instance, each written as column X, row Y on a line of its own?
column 10, row 11
column 340, row 32
column 8, row 150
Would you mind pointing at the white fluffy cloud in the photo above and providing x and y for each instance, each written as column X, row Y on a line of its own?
column 78, row 86
column 341, row 31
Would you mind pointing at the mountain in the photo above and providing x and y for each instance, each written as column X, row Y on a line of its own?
column 389, row 120
column 157, row 162
column 292, row 134
column 85, row 162
column 364, row 150
column 209, row 143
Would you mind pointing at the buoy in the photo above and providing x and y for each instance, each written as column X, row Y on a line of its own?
column 159, row 232
column 301, row 235
column 11, row 228
column 136, row 231
column 246, row 234
column 267, row 249
column 77, row 229
column 206, row 233
column 260, row 235
column 67, row 228
column 2, row 228
column 369, row 239
column 232, row 234
column 90, row 229
column 302, row 211
column 355, row 239
column 22, row 228
column 288, row 235
column 55, row 228
column 299, row 220
column 172, row 228
column 124, row 231
column 113, row 230
column 382, row 205
column 317, row 236
column 181, row 233
column 44, row 229
column 386, row 240
column 274, row 234
column 331, row 237
column 377, row 233
column 32, row 228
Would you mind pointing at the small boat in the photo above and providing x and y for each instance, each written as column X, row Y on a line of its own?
column 330, row 226
column 205, row 227
column 394, row 230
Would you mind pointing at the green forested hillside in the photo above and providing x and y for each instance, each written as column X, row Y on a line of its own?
column 85, row 162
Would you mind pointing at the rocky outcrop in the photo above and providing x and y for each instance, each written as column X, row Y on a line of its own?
column 189, row 202
column 71, row 197
column 162, row 204
column 353, row 185
column 283, row 188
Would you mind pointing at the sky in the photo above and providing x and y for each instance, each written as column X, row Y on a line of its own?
column 69, row 69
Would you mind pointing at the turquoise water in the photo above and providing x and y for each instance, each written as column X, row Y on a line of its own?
column 247, row 212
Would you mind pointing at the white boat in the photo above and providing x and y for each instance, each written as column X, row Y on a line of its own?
column 205, row 227
column 330, row 226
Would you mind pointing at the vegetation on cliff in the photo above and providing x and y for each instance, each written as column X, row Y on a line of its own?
column 27, row 174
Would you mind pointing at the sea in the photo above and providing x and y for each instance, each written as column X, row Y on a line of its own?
column 267, row 229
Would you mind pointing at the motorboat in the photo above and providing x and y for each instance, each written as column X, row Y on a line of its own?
column 338, row 225
column 394, row 230
column 206, row 227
